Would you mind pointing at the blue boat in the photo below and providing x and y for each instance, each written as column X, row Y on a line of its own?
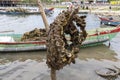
column 109, row 21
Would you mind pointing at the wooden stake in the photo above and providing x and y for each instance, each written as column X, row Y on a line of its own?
column 53, row 71
column 42, row 12
column 53, row 74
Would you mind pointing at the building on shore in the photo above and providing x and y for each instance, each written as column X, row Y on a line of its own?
column 9, row 2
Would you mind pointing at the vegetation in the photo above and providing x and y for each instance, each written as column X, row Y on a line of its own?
column 116, row 8
column 29, row 1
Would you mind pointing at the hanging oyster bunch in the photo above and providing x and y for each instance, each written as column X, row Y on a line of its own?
column 34, row 35
column 65, row 36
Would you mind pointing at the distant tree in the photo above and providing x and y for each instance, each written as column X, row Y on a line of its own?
column 109, row 0
column 47, row 1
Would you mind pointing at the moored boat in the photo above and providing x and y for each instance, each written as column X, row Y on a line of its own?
column 103, row 32
column 21, row 11
column 109, row 21
column 13, row 43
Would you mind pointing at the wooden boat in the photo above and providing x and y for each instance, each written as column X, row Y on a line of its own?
column 39, row 45
column 109, row 21
column 15, row 45
column 21, row 11
column 103, row 32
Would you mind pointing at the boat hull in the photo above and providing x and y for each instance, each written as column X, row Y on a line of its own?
column 31, row 48
column 19, row 13
column 47, row 11
column 109, row 22
column 93, row 39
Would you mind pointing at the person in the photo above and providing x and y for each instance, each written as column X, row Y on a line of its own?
column 87, row 7
column 110, row 7
column 110, row 18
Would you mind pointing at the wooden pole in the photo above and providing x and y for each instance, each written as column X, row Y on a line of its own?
column 53, row 74
column 42, row 12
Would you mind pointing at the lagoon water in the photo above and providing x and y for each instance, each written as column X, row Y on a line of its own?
column 32, row 65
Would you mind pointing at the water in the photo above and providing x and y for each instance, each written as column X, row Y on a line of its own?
column 32, row 65
column 23, row 23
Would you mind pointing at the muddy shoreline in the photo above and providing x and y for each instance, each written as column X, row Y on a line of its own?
column 32, row 66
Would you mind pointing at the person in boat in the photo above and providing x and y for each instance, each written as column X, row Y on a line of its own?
column 110, row 18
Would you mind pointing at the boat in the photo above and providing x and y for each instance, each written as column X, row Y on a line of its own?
column 26, row 11
column 12, row 43
column 103, row 32
column 49, row 11
column 109, row 21
column 30, row 46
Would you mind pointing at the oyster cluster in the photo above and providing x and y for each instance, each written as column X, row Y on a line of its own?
column 64, row 38
column 34, row 35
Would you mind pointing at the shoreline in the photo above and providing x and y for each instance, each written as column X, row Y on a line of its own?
column 101, row 12
column 92, row 9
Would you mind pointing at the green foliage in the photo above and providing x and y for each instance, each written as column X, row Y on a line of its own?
column 30, row 1
column 116, row 8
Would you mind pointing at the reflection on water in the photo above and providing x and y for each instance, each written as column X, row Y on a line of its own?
column 22, row 56
column 32, row 65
